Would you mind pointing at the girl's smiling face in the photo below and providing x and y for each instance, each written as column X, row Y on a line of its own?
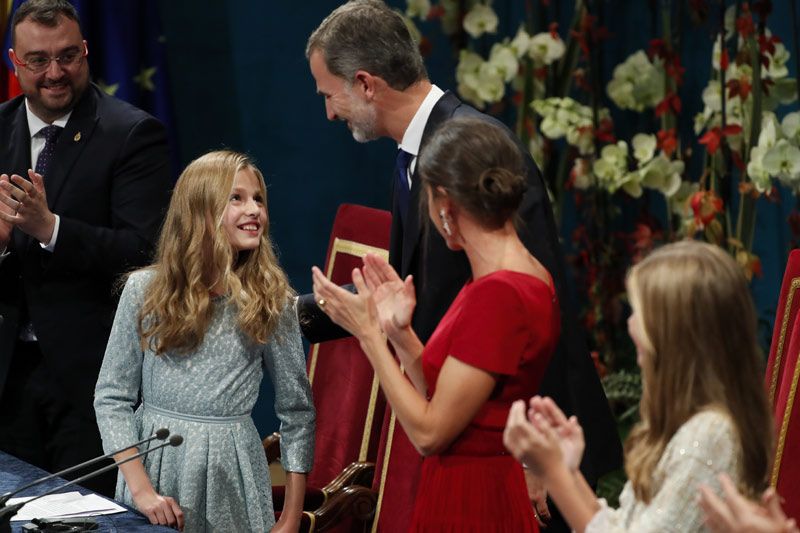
column 245, row 215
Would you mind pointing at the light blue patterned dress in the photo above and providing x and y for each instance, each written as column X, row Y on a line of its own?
column 219, row 475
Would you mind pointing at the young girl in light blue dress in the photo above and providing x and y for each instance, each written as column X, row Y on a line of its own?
column 192, row 335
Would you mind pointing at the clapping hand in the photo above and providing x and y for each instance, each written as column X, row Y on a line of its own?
column 394, row 298
column 7, row 212
column 570, row 433
column 356, row 313
column 736, row 514
column 25, row 206
column 533, row 442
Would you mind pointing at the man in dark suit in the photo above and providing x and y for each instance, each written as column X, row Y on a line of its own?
column 84, row 185
column 371, row 75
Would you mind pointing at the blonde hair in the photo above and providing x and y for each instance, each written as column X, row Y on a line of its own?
column 195, row 255
column 696, row 312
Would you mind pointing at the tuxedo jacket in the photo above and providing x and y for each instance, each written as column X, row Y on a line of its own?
column 109, row 181
column 439, row 274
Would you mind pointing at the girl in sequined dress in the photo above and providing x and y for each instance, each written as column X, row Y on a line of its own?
column 191, row 338
column 703, row 409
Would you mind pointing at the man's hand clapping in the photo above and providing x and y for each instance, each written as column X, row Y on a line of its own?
column 25, row 206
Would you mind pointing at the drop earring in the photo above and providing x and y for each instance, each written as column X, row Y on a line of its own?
column 445, row 225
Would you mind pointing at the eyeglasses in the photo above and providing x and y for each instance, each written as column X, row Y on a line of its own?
column 40, row 63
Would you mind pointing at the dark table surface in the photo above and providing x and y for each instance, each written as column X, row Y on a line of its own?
column 15, row 473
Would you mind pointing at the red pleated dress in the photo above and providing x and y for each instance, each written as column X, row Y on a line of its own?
column 506, row 323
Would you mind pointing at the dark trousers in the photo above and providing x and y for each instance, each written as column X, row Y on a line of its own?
column 39, row 424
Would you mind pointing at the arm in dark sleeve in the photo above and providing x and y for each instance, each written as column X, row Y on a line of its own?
column 315, row 325
column 138, row 195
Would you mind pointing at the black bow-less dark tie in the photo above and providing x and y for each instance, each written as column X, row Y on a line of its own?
column 401, row 186
column 50, row 134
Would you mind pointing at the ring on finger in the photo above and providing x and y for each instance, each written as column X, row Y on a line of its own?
column 321, row 303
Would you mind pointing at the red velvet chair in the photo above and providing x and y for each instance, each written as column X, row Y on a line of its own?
column 347, row 396
column 389, row 504
column 396, row 476
column 782, row 375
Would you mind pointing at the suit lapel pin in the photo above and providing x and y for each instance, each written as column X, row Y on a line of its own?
column 77, row 137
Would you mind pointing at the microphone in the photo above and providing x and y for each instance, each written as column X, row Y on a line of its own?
column 160, row 434
column 6, row 512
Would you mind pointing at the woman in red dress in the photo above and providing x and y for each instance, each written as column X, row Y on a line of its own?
column 490, row 349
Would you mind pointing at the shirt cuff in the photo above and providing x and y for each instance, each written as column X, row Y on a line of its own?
column 50, row 246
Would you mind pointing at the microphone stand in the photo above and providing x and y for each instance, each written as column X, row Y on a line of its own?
column 7, row 511
column 160, row 434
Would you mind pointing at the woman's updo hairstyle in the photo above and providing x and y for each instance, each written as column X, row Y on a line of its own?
column 479, row 165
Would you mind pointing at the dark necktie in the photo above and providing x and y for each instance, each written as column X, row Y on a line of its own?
column 50, row 134
column 401, row 187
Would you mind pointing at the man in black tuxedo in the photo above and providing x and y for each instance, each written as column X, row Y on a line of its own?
column 371, row 75
column 84, row 185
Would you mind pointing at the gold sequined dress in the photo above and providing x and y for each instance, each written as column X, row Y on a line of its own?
column 702, row 448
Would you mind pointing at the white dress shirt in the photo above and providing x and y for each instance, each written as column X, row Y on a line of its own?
column 412, row 137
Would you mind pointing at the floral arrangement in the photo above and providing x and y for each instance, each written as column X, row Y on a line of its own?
column 695, row 180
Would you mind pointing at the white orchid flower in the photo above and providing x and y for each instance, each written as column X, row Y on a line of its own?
column 468, row 77
column 729, row 21
column 712, row 96
column 468, row 68
column 521, row 42
column 470, row 94
column 758, row 175
column 637, row 84
column 783, row 162
column 703, row 120
column 418, row 8
column 552, row 128
column 611, row 170
column 480, row 19
column 777, row 63
column 631, row 185
column 491, row 84
column 544, row 49
column 644, row 147
column 662, row 175
column 790, row 126
column 783, row 92
column 581, row 137
column 503, row 58
column 770, row 131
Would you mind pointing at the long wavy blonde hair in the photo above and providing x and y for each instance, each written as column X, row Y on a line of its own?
column 194, row 255
column 698, row 316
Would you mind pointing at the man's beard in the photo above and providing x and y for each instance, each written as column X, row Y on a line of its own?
column 362, row 122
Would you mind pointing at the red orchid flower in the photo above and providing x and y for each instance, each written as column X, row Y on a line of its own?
column 670, row 103
column 705, row 206
column 667, row 141
column 744, row 24
column 713, row 137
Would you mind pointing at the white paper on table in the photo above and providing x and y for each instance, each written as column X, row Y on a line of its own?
column 65, row 505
